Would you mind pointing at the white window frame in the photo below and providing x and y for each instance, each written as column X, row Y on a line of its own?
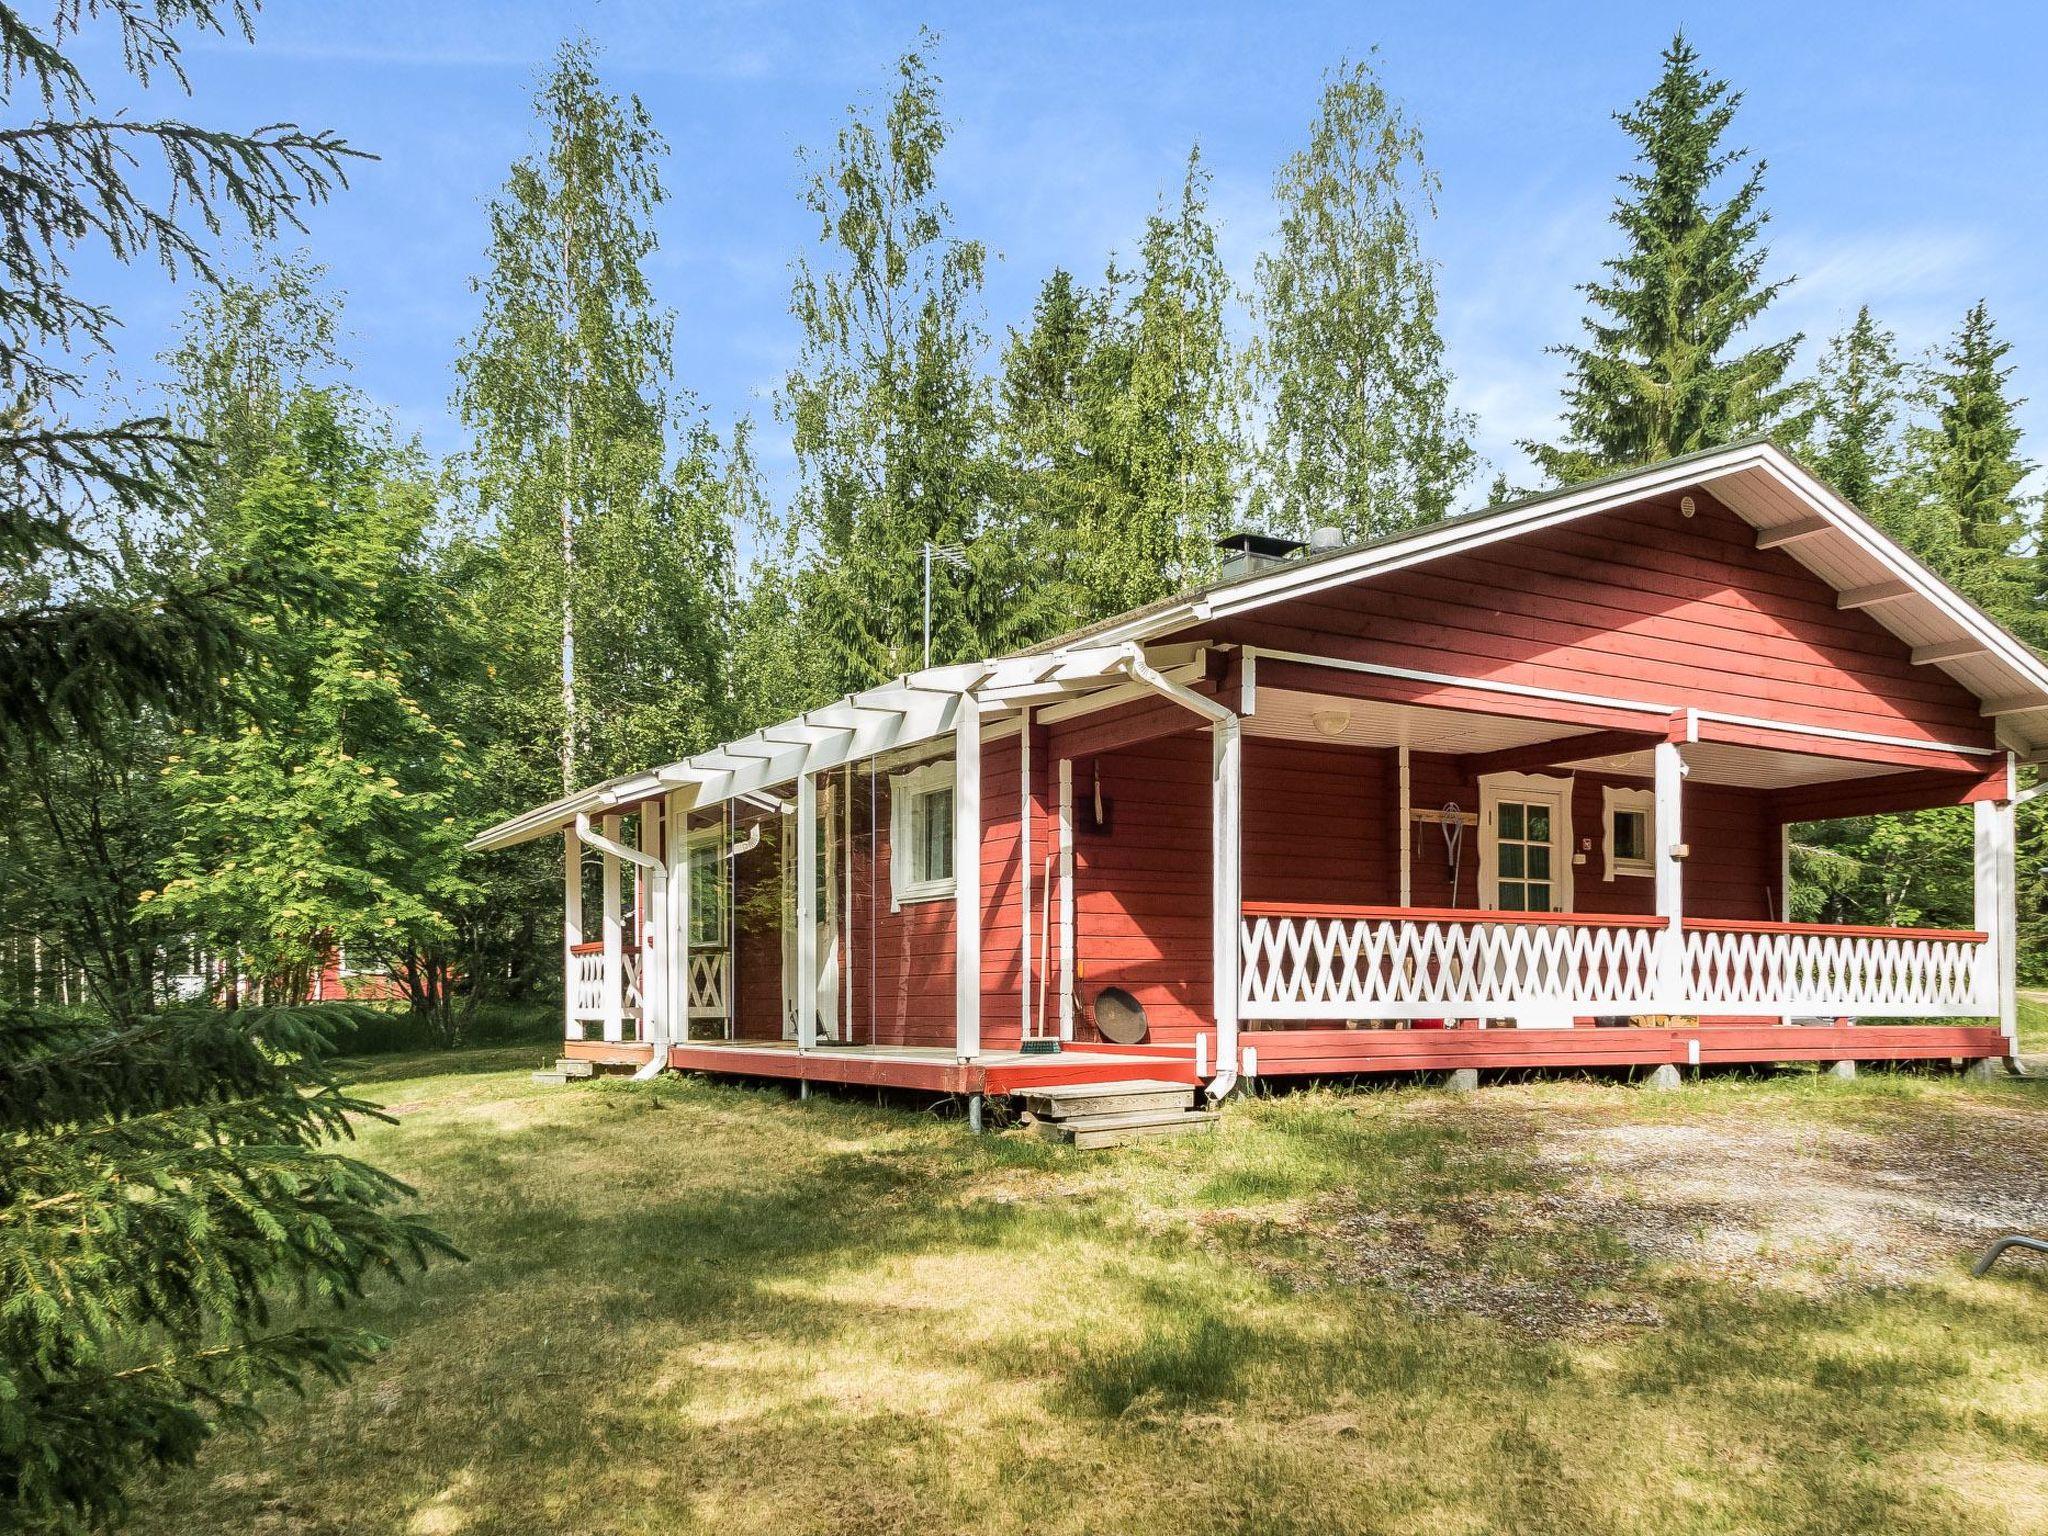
column 1496, row 787
column 1643, row 800
column 904, row 790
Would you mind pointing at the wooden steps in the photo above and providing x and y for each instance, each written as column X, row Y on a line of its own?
column 566, row 1068
column 1110, row 1114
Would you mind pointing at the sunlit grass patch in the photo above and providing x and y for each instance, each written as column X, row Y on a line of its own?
column 702, row 1307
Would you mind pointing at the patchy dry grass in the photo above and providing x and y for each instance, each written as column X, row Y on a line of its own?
column 1557, row 1307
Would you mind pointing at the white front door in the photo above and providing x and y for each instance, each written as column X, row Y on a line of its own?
column 1525, row 863
column 1525, row 843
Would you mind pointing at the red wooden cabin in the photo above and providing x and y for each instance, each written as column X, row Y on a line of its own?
column 1514, row 789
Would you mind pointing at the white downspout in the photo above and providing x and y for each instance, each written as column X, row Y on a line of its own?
column 1226, row 898
column 658, row 891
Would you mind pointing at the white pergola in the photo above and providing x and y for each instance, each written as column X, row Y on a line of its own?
column 932, row 705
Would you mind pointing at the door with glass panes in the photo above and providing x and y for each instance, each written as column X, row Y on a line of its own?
column 1525, row 843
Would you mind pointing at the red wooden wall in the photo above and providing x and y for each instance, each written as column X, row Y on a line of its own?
column 1641, row 603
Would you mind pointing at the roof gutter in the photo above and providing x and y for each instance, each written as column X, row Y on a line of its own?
column 653, row 1002
column 1226, row 889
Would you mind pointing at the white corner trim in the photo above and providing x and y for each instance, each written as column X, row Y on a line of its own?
column 1614, row 799
column 904, row 788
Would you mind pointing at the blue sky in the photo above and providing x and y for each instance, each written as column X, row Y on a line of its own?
column 1906, row 150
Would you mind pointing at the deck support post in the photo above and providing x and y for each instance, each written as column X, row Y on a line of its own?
column 974, row 1113
column 806, row 905
column 572, row 928
column 1669, row 831
column 1997, row 913
column 967, row 878
column 614, row 942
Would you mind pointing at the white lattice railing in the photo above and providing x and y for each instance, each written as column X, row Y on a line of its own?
column 1811, row 968
column 1367, row 963
column 1326, row 962
column 708, row 971
column 588, row 1000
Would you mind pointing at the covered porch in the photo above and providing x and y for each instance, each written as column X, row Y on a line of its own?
column 1570, row 886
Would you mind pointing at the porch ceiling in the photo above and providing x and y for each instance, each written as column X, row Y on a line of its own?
column 1290, row 715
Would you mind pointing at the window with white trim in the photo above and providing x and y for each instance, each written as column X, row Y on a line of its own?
column 921, row 834
column 1631, row 831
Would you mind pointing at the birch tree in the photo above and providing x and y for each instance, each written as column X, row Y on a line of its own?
column 1361, row 434
column 589, row 467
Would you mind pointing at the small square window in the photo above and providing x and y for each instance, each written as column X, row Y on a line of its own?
column 1631, row 832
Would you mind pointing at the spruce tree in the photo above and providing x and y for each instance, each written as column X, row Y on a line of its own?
column 1663, row 370
column 887, row 407
column 1972, row 468
column 165, row 1176
column 1050, row 426
column 1361, row 434
column 1858, row 436
column 1172, row 460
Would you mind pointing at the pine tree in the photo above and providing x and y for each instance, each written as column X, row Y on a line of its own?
column 1362, row 435
column 887, row 407
column 1661, row 373
column 566, row 385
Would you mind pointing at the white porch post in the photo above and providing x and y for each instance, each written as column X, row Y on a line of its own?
column 1066, row 898
column 655, row 971
column 1670, row 854
column 1226, row 890
column 572, row 929
column 614, row 942
column 806, row 912
column 1024, row 873
column 1997, row 913
column 967, row 878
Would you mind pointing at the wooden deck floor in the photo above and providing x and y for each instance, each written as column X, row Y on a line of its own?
column 930, row 1070
column 1272, row 1053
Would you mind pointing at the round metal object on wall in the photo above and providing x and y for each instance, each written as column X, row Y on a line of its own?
column 1119, row 1017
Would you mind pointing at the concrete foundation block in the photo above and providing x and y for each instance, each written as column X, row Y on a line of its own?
column 1463, row 1080
column 1842, row 1071
column 1662, row 1078
column 1988, row 1070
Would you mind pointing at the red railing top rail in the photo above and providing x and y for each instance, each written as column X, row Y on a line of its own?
column 1342, row 911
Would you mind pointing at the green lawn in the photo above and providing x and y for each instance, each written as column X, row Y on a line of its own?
column 1568, row 1307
